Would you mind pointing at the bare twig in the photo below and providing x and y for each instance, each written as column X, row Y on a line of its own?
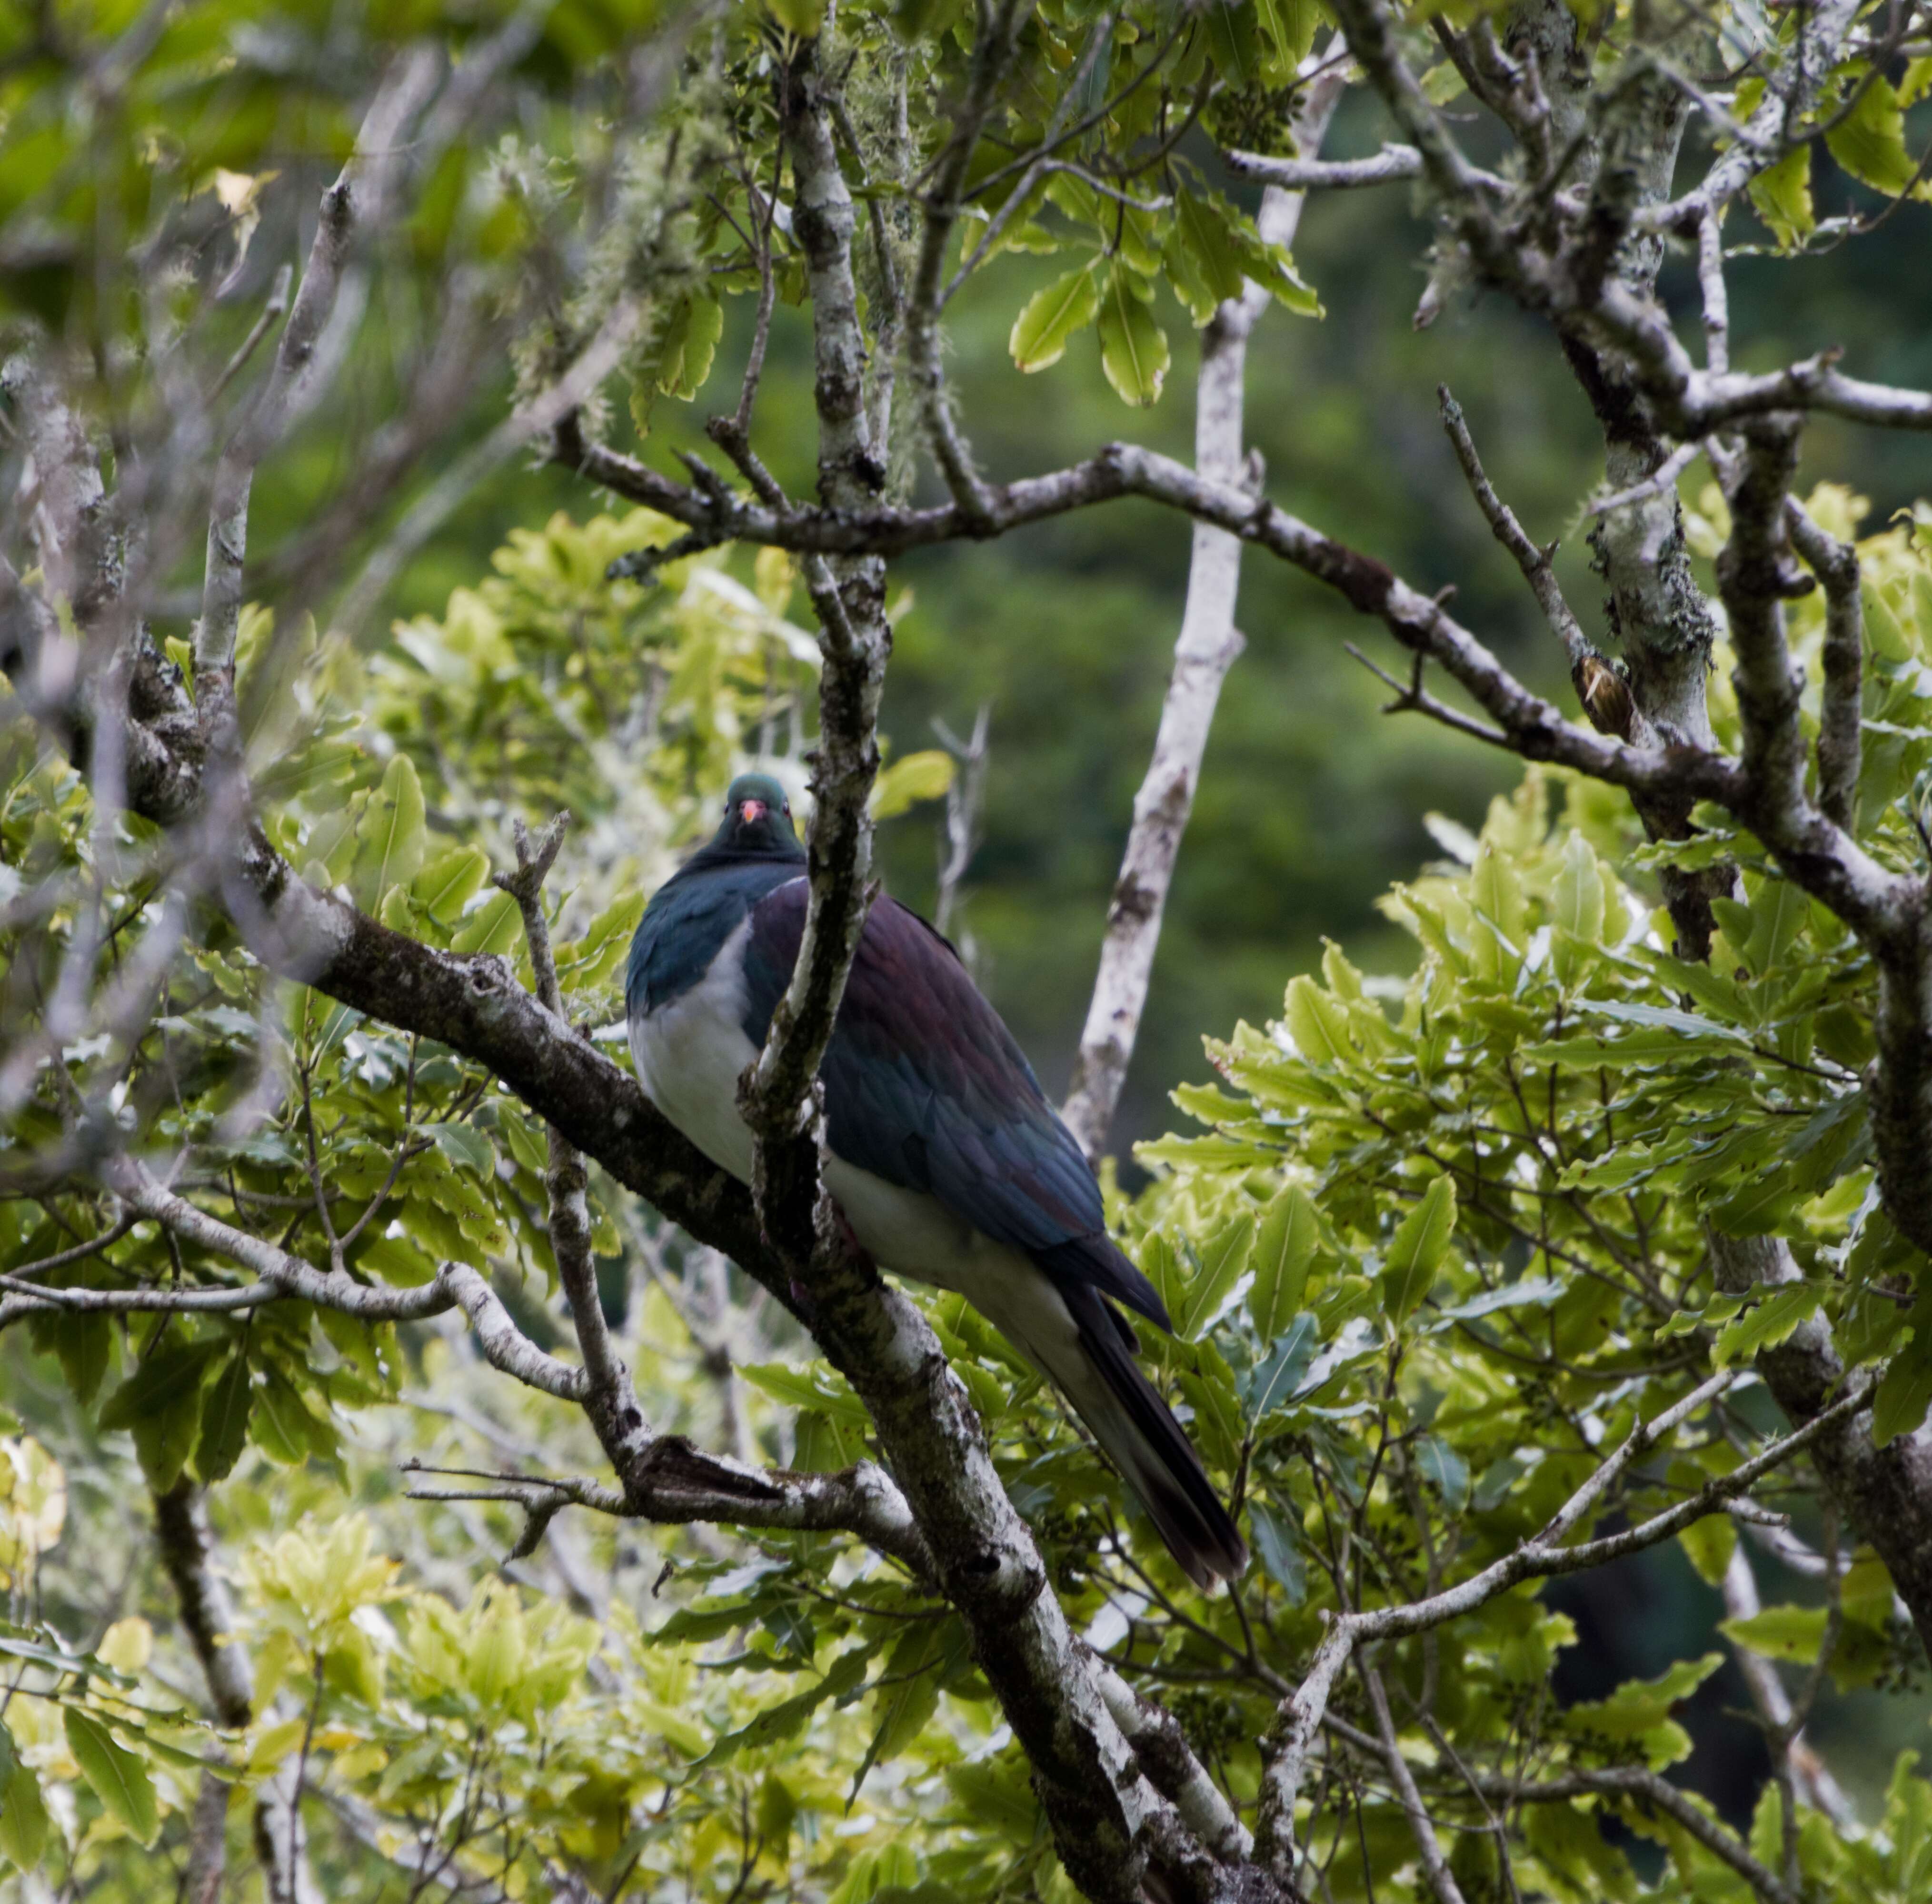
column 371, row 168
column 1285, row 1749
column 1811, row 1777
column 963, row 798
column 1429, row 1847
column 1644, row 1787
column 272, row 313
column 1840, row 732
column 1536, row 563
column 1392, row 162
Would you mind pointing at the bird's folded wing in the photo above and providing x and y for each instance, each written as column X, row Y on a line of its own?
column 925, row 1087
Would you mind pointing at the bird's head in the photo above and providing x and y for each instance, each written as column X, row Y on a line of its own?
column 758, row 820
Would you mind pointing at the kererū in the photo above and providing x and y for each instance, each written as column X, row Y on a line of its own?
column 950, row 1165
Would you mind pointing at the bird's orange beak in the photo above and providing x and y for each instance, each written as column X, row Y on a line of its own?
column 750, row 810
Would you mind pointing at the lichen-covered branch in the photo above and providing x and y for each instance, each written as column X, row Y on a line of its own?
column 1840, row 730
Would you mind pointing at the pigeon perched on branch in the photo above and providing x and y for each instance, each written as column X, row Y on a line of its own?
column 949, row 1163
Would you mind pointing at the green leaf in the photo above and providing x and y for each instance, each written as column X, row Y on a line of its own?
column 390, row 834
column 1579, row 907
column 1209, row 1386
column 1224, row 1256
column 284, row 1429
column 689, row 344
column 83, row 1342
column 493, row 927
column 396, row 1259
column 779, row 1722
column 1709, row 1544
column 582, row 963
column 449, row 882
column 911, row 778
column 803, row 17
column 1780, row 1633
column 1133, row 347
column 1231, row 32
column 1271, row 267
column 1420, row 1243
column 159, row 1384
column 464, row 1145
column 1905, row 1390
column 1203, row 223
column 1279, row 1547
column 1276, row 1376
column 1639, row 1711
column 25, row 1825
column 1783, row 199
column 1869, row 142
column 996, row 1793
column 1767, row 1323
column 1284, row 1247
column 1050, row 319
column 1289, row 26
column 224, row 1420
column 1317, row 1023
column 1539, row 1293
column 119, row 1779
column 908, row 1694
column 814, row 1386
column 774, row 1810
column 1446, row 1470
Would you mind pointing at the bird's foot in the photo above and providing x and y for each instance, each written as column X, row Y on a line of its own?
column 849, row 1237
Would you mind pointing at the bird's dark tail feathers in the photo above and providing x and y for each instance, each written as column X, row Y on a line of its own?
column 1127, row 1417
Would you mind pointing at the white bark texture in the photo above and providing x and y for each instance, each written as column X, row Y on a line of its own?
column 1208, row 647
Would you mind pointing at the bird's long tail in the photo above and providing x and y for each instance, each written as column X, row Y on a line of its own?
column 1099, row 1376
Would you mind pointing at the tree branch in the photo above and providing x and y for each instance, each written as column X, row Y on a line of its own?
column 377, row 158
column 1285, row 1748
column 999, row 23
column 1766, row 136
column 1429, row 1847
column 1840, row 721
column 1646, row 1787
column 1810, row 1776
column 1391, row 163
column 1606, row 697
column 1208, row 647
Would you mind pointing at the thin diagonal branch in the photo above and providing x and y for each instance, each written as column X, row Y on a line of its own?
column 361, row 191
column 1429, row 1846
column 1285, row 1749
column 1635, row 1783
column 1000, row 24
